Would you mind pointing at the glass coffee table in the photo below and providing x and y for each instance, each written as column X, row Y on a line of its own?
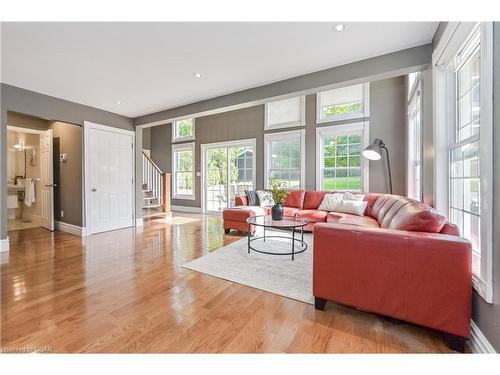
column 289, row 223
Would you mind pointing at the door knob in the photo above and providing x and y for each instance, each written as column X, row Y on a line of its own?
column 49, row 185
column 94, row 189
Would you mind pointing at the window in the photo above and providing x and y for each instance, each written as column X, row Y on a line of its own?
column 284, row 155
column 343, row 103
column 464, row 155
column 414, row 183
column 285, row 113
column 183, row 171
column 340, row 165
column 183, row 129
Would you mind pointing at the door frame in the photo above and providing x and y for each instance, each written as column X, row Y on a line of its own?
column 206, row 146
column 87, row 126
column 39, row 132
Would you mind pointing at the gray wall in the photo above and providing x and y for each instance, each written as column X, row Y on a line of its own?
column 45, row 107
column 70, row 174
column 388, row 113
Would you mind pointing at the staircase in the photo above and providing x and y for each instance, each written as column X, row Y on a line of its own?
column 155, row 189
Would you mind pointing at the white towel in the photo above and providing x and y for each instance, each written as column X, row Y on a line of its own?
column 29, row 192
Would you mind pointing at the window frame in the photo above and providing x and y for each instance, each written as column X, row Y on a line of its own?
column 283, row 136
column 415, row 98
column 338, row 130
column 174, row 130
column 346, row 116
column 456, row 35
column 280, row 125
column 189, row 146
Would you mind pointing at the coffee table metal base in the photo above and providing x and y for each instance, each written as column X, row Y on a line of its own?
column 301, row 249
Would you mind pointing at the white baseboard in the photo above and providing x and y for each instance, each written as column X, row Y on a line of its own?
column 478, row 343
column 69, row 228
column 196, row 210
column 139, row 222
column 4, row 245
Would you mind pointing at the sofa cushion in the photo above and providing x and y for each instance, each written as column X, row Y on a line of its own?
column 241, row 213
column 252, row 197
column 313, row 199
column 330, row 202
column 352, row 207
column 418, row 217
column 295, row 198
column 334, row 216
column 360, row 221
column 265, row 198
column 314, row 216
column 290, row 211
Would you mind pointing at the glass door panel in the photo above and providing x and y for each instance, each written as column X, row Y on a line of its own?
column 216, row 192
column 240, row 171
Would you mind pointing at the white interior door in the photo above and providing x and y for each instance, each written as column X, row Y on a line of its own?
column 46, row 180
column 110, row 173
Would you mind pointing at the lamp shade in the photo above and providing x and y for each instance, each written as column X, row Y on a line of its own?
column 374, row 151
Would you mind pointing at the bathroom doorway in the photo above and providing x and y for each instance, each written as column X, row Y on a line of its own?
column 30, row 193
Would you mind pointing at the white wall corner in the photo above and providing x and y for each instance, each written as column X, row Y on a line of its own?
column 4, row 245
column 478, row 342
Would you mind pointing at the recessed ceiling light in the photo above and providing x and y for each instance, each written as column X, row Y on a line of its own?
column 339, row 27
column 118, row 102
column 197, row 75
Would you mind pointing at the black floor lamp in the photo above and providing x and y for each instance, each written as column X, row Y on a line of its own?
column 374, row 152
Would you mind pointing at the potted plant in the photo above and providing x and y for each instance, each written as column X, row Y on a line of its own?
column 279, row 195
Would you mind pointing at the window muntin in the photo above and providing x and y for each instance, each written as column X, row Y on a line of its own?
column 340, row 166
column 183, row 129
column 343, row 103
column 183, row 171
column 285, row 158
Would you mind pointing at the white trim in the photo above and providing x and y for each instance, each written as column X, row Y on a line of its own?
column 478, row 342
column 291, row 124
column 343, row 129
column 181, row 147
column 4, row 245
column 196, row 210
column 182, row 139
column 69, row 228
column 280, row 136
column 139, row 222
column 87, row 125
column 458, row 34
column 320, row 119
column 205, row 146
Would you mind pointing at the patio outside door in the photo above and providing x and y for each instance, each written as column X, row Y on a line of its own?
column 228, row 170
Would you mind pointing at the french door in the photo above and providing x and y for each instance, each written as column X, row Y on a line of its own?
column 228, row 169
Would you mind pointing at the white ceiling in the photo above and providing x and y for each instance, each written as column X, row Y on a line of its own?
column 150, row 66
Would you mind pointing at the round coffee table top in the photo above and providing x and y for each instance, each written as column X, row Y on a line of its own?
column 287, row 222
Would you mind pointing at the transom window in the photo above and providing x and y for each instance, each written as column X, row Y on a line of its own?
column 285, row 113
column 183, row 129
column 284, row 154
column 183, row 171
column 343, row 103
column 340, row 166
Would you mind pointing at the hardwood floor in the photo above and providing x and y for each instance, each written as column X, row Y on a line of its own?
column 125, row 291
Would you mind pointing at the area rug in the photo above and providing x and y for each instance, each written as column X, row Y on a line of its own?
column 276, row 274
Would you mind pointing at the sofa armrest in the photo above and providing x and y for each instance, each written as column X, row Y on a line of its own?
column 424, row 278
column 241, row 200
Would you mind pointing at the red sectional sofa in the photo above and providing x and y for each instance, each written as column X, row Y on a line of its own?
column 401, row 259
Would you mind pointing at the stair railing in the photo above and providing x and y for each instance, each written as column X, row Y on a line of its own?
column 155, row 179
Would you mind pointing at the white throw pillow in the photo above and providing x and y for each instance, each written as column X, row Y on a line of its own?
column 330, row 202
column 265, row 198
column 352, row 207
column 353, row 197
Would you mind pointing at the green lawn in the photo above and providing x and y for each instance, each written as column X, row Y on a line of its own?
column 342, row 183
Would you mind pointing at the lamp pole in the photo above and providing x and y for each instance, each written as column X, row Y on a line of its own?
column 388, row 166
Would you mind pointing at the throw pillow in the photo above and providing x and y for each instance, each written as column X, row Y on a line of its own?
column 330, row 202
column 265, row 198
column 353, row 197
column 253, row 198
column 352, row 207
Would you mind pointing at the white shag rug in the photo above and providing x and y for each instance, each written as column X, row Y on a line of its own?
column 276, row 274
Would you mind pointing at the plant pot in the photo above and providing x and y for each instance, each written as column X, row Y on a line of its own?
column 277, row 211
